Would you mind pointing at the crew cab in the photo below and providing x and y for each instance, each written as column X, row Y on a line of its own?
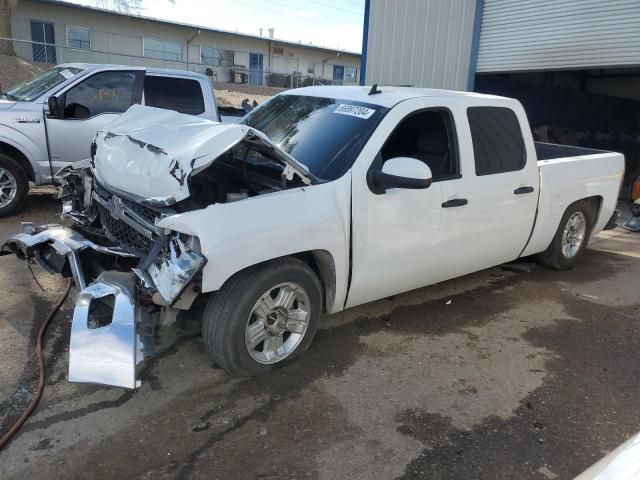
column 48, row 122
column 320, row 199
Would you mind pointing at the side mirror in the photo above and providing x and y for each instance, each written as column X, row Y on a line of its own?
column 54, row 106
column 402, row 172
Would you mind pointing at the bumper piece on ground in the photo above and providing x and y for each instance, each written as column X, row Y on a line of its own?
column 107, row 349
column 35, row 242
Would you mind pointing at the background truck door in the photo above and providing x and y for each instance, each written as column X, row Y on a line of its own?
column 404, row 239
column 88, row 106
column 503, row 193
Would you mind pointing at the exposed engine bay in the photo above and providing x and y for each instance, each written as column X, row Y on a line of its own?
column 130, row 271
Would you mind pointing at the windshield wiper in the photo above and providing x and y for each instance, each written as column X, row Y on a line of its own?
column 8, row 96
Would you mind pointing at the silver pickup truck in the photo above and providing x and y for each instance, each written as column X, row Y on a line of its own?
column 49, row 122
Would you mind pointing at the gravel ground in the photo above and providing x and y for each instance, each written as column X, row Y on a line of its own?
column 512, row 372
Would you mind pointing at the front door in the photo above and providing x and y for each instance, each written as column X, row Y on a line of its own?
column 43, row 34
column 256, row 67
column 89, row 106
column 405, row 239
column 338, row 74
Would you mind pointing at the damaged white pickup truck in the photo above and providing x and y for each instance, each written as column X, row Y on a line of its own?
column 321, row 199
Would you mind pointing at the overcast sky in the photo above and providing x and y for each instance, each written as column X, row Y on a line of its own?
column 332, row 23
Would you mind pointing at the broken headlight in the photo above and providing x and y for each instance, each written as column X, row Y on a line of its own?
column 176, row 268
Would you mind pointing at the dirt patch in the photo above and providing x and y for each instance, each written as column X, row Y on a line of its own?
column 231, row 95
column 15, row 70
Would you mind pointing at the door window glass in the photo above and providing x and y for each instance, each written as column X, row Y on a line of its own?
column 498, row 145
column 179, row 94
column 429, row 137
column 105, row 92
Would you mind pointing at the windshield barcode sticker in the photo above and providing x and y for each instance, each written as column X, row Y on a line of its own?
column 354, row 111
column 66, row 73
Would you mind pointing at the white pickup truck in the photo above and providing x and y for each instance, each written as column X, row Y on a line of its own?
column 321, row 199
column 49, row 121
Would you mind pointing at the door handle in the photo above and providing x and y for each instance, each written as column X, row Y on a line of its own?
column 456, row 202
column 521, row 190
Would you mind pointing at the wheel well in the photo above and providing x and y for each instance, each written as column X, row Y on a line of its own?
column 595, row 203
column 19, row 157
column 321, row 262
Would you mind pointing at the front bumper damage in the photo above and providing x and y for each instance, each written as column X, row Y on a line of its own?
column 113, row 328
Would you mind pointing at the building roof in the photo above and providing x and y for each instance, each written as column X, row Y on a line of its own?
column 198, row 27
column 389, row 97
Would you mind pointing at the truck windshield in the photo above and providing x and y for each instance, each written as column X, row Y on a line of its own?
column 324, row 134
column 29, row 91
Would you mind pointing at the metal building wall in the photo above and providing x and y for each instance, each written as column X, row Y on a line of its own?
column 519, row 35
column 421, row 43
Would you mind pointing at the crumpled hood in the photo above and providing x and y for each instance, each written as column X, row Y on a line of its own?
column 149, row 153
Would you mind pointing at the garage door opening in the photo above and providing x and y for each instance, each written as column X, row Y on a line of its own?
column 596, row 108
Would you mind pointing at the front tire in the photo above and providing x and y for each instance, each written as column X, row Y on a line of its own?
column 264, row 316
column 571, row 238
column 14, row 186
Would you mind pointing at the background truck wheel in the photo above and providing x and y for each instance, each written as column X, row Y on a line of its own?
column 14, row 186
column 264, row 316
column 571, row 238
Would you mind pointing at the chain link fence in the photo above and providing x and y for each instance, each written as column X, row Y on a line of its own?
column 21, row 60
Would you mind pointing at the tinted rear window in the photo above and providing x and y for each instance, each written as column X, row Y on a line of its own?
column 324, row 134
column 179, row 94
column 498, row 145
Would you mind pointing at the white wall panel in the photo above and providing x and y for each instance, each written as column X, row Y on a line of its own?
column 421, row 43
column 523, row 35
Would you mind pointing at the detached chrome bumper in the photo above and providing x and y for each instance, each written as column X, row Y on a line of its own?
column 34, row 242
column 112, row 353
column 109, row 349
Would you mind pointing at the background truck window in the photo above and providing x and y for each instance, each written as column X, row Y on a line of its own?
column 178, row 94
column 105, row 92
column 498, row 145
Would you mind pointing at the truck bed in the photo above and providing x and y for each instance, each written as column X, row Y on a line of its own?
column 551, row 151
column 568, row 174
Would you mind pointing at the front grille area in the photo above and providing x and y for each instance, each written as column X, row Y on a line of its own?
column 127, row 237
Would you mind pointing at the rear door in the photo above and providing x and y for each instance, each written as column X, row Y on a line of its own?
column 86, row 107
column 503, row 193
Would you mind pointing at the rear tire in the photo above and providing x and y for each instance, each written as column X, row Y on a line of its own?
column 14, row 186
column 264, row 316
column 571, row 238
